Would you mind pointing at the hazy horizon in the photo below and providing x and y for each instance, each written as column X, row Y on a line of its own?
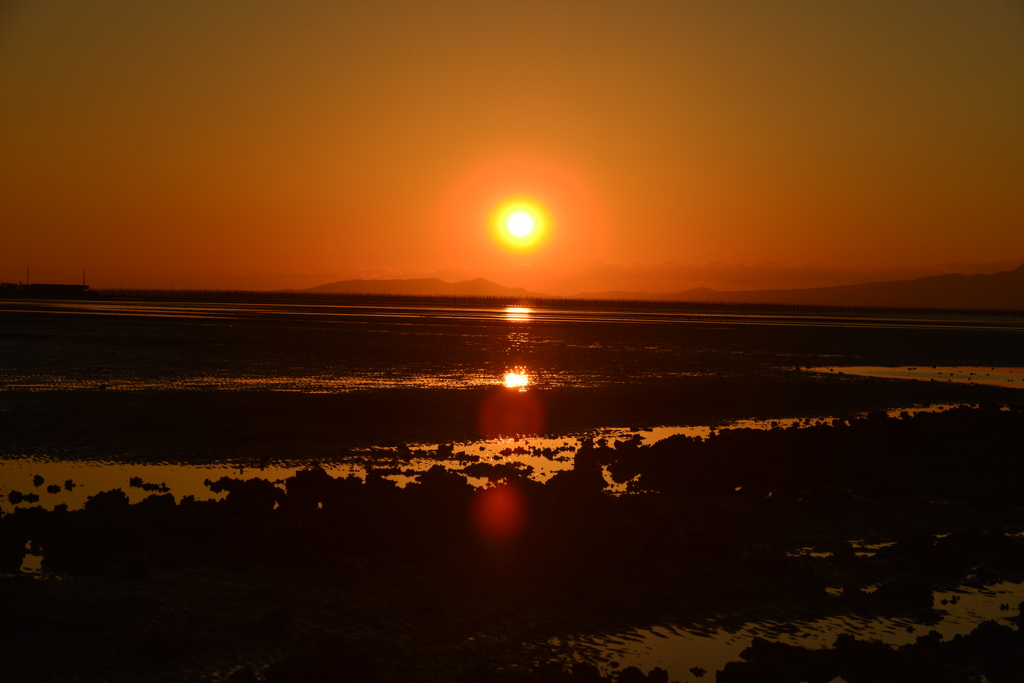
column 581, row 277
column 730, row 145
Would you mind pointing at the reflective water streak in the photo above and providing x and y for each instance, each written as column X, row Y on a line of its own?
column 961, row 374
column 517, row 378
column 79, row 479
column 543, row 455
column 540, row 312
column 518, row 313
column 678, row 649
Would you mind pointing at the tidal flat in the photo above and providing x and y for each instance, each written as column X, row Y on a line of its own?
column 376, row 508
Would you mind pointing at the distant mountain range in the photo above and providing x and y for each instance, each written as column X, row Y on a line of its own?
column 998, row 290
column 428, row 286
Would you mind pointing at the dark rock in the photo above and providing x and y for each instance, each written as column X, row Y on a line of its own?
column 331, row 661
column 309, row 487
column 157, row 503
column 273, row 624
column 915, row 591
column 631, row 674
column 584, row 672
column 105, row 501
column 248, row 496
column 441, row 480
column 657, row 675
column 12, row 552
column 827, row 495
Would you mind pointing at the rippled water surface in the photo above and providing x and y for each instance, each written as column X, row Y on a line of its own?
column 993, row 376
column 544, row 456
column 680, row 649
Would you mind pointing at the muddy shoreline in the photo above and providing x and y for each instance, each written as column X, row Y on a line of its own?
column 249, row 427
column 708, row 538
column 397, row 584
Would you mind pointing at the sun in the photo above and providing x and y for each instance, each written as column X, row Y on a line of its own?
column 520, row 225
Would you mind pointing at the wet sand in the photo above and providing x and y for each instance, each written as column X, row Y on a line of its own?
column 294, row 387
column 168, row 589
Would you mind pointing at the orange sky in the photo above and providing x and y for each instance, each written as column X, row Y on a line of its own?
column 266, row 144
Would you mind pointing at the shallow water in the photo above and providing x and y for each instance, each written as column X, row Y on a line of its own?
column 545, row 456
column 536, row 311
column 181, row 346
column 126, row 346
column 1003, row 377
column 219, row 347
column 89, row 477
column 678, row 650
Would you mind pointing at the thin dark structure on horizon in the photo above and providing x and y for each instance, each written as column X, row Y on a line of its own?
column 698, row 308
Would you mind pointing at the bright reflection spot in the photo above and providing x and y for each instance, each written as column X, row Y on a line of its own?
column 517, row 313
column 520, row 224
column 517, row 379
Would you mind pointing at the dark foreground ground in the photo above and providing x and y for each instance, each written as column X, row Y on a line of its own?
column 336, row 579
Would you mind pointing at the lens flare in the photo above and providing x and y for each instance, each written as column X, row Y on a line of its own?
column 499, row 513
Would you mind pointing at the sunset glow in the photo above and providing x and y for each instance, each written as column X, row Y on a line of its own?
column 489, row 341
column 388, row 144
column 521, row 225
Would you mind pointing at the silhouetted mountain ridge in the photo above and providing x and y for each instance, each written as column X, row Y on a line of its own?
column 429, row 286
column 993, row 291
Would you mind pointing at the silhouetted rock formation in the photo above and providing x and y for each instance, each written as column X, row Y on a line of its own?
column 707, row 522
column 990, row 650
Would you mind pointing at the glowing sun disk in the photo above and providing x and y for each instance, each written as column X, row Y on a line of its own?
column 520, row 224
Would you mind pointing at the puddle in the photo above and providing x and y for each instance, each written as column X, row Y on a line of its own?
column 49, row 482
column 32, row 562
column 71, row 482
column 679, row 650
column 1002, row 377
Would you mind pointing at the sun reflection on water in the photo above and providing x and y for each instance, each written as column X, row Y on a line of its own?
column 517, row 379
column 518, row 313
